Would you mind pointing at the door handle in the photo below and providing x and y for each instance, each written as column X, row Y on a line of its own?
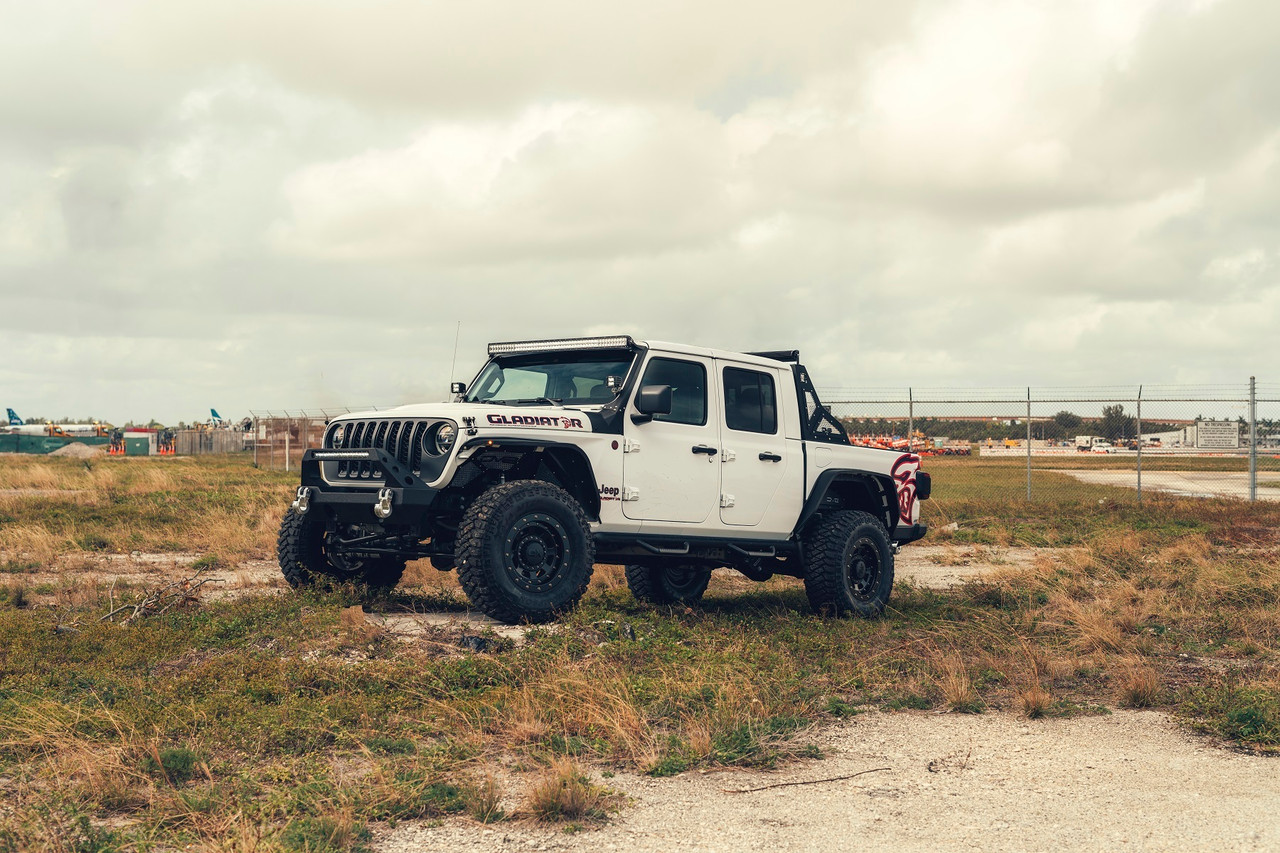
column 770, row 457
column 702, row 448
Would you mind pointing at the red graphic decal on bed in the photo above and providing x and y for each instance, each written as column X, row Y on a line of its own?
column 904, row 478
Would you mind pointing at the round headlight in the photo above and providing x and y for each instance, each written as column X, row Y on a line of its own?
column 445, row 437
column 335, row 438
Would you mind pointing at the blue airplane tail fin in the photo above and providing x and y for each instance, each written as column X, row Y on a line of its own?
column 216, row 416
column 14, row 420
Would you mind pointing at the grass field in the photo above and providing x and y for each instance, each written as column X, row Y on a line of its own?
column 290, row 722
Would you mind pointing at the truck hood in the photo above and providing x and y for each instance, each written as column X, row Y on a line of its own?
column 544, row 418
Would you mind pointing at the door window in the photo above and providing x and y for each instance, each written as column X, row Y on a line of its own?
column 688, row 381
column 750, row 404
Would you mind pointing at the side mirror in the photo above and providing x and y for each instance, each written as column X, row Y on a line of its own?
column 652, row 400
column 457, row 387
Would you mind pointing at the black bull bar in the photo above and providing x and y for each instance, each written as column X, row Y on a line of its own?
column 389, row 488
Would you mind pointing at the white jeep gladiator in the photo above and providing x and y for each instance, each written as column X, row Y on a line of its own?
column 670, row 459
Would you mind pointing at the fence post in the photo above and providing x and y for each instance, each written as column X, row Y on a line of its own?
column 1253, row 438
column 286, row 444
column 1028, row 443
column 1139, row 444
column 255, row 441
column 911, row 421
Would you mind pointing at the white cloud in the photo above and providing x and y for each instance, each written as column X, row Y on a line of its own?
column 286, row 203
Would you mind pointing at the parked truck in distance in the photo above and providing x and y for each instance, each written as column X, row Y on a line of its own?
column 670, row 459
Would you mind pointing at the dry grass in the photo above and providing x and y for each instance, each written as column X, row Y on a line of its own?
column 486, row 800
column 1140, row 687
column 564, row 793
column 957, row 688
column 1035, row 701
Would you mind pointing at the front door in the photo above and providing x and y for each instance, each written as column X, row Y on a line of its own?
column 672, row 470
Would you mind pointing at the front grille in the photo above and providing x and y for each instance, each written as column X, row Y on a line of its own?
column 401, row 439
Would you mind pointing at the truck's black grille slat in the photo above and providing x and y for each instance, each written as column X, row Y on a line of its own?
column 356, row 434
column 379, row 435
column 393, row 435
column 406, row 436
column 415, row 447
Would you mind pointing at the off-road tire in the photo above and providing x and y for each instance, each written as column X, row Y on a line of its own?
column 303, row 562
column 525, row 552
column 668, row 584
column 848, row 565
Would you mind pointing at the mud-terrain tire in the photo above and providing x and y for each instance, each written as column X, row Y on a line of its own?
column 304, row 562
column 671, row 584
column 848, row 565
column 525, row 552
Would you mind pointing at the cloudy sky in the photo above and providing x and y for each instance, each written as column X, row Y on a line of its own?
column 270, row 205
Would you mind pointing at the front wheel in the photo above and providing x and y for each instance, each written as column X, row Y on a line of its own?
column 308, row 554
column 848, row 565
column 525, row 552
column 668, row 584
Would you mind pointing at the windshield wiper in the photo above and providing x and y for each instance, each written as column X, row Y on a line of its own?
column 547, row 400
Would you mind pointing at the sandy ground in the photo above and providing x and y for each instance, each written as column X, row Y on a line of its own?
column 935, row 566
column 1194, row 484
column 1128, row 781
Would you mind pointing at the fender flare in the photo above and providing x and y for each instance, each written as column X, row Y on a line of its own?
column 586, row 492
column 883, row 494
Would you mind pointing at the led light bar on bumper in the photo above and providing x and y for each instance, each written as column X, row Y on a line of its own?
column 614, row 342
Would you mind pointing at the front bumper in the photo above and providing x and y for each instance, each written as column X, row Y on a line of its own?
column 395, row 489
column 904, row 533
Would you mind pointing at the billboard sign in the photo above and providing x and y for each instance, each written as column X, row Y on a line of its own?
column 1217, row 435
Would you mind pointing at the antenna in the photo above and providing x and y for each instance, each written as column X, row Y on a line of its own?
column 454, row 363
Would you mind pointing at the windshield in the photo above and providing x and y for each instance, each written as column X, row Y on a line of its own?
column 569, row 378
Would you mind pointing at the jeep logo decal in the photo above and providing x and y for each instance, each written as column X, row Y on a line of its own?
column 536, row 421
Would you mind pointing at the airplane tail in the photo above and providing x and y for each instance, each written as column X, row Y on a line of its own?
column 216, row 416
column 14, row 420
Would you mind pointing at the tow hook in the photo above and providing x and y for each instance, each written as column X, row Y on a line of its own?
column 382, row 509
column 302, row 502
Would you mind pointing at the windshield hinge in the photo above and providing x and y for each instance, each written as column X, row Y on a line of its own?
column 630, row 445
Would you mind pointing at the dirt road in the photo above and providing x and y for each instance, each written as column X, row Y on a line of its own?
column 1127, row 781
column 1199, row 484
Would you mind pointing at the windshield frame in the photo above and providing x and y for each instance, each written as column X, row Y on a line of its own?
column 629, row 356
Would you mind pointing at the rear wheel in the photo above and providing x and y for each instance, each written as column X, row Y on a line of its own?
column 308, row 554
column 848, row 565
column 668, row 584
column 525, row 551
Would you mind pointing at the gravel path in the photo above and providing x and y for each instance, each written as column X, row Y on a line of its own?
column 1128, row 781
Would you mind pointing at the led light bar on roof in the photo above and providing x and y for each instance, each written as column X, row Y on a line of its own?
column 615, row 342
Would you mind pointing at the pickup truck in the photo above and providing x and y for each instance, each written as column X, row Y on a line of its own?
column 670, row 459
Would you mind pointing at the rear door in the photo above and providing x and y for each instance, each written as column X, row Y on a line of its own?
column 671, row 471
column 757, row 459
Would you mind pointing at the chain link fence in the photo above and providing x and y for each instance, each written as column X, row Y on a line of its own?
column 279, row 438
column 1105, row 443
